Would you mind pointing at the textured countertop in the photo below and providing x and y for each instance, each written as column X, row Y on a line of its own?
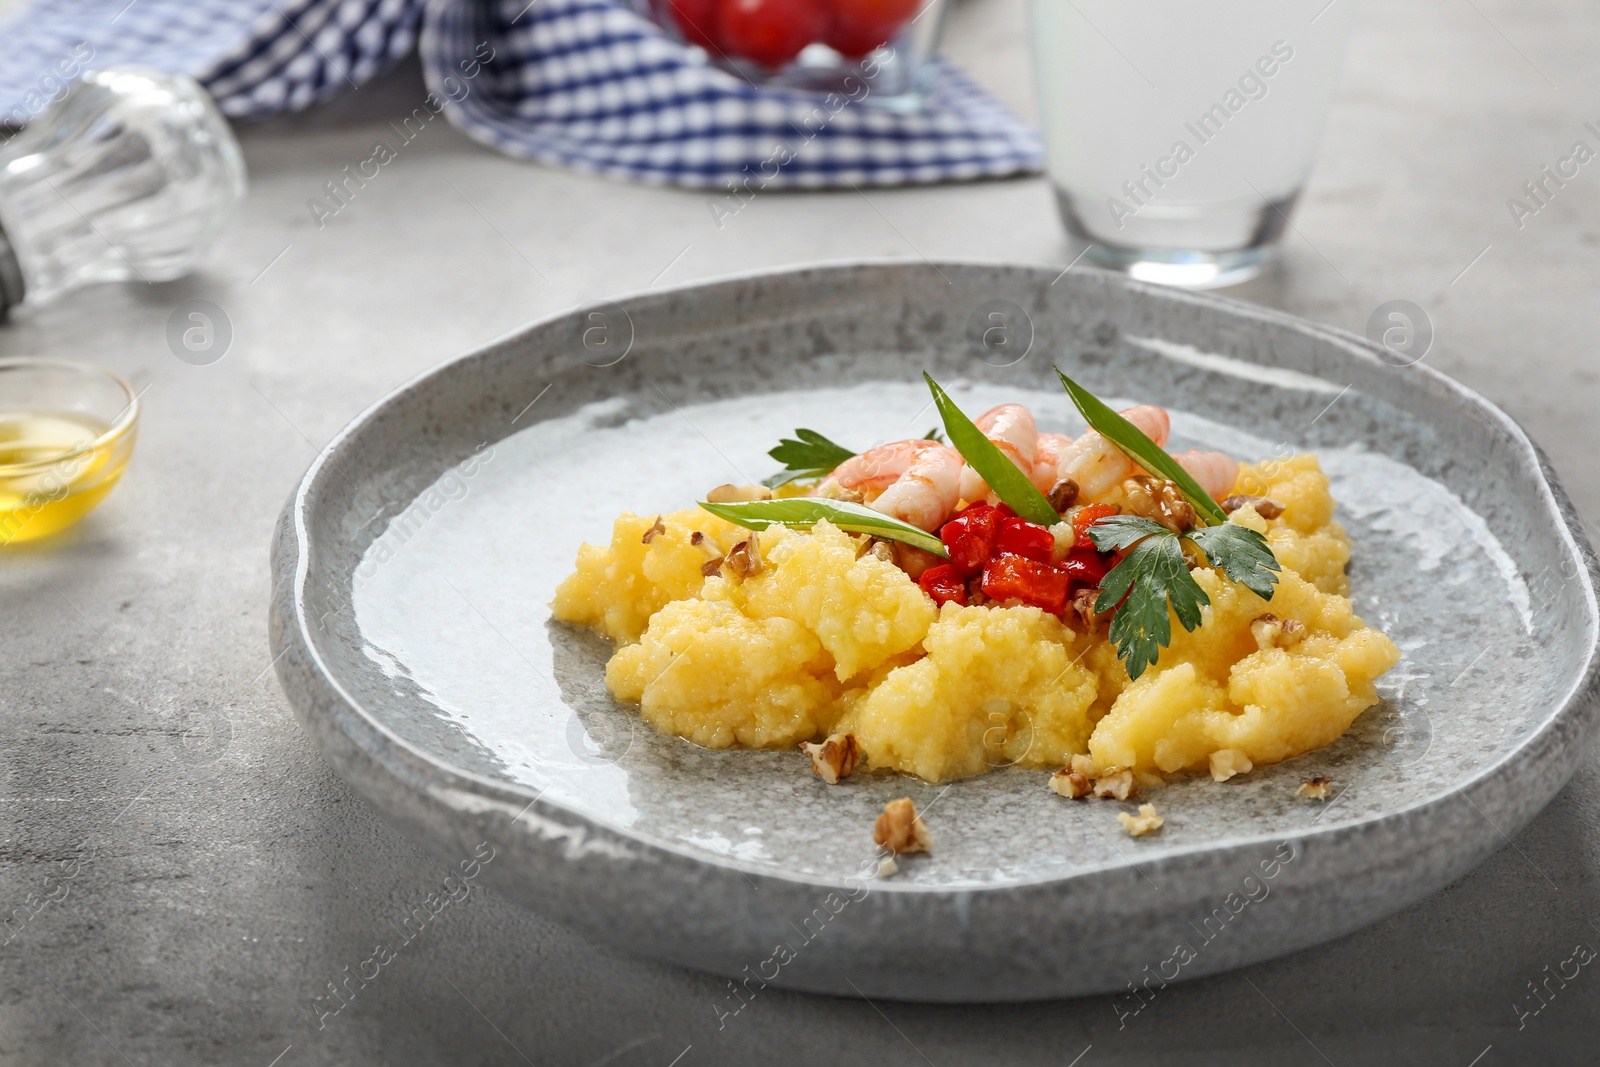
column 225, row 874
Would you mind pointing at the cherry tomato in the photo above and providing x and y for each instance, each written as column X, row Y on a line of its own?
column 859, row 26
column 1086, row 566
column 697, row 21
column 1027, row 539
column 770, row 32
column 1087, row 517
column 969, row 537
column 1016, row 577
column 944, row 583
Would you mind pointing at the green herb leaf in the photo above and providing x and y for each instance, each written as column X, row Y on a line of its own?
column 1152, row 576
column 1002, row 475
column 806, row 455
column 810, row 510
column 934, row 435
column 1143, row 451
column 1116, row 532
column 1241, row 554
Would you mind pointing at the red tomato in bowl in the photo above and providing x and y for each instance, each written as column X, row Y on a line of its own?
column 697, row 21
column 858, row 26
column 770, row 32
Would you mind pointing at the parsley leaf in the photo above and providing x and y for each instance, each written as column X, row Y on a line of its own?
column 1152, row 576
column 806, row 455
column 1155, row 574
column 1241, row 554
column 1116, row 532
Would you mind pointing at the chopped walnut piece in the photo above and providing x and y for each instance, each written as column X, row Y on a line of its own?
column 738, row 494
column 900, row 829
column 881, row 549
column 832, row 490
column 1273, row 632
column 1118, row 786
column 711, row 566
column 834, row 758
column 1227, row 762
column 1317, row 788
column 1161, row 500
column 650, row 535
column 707, row 546
column 1083, row 765
column 1063, row 494
column 887, row 867
column 1070, row 784
column 1146, row 822
column 1082, row 604
column 744, row 559
column 1265, row 506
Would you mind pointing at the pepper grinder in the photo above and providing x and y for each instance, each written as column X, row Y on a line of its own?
column 130, row 175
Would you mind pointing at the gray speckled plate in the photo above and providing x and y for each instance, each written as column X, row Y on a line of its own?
column 418, row 556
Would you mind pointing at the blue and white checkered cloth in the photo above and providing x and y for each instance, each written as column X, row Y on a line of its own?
column 588, row 84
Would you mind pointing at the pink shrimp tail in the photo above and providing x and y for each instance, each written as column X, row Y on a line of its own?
column 876, row 468
column 1152, row 421
column 1047, row 454
column 1215, row 471
column 1011, row 428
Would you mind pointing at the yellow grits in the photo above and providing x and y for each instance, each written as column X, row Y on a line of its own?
column 823, row 640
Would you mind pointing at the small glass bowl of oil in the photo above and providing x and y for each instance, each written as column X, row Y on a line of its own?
column 66, row 433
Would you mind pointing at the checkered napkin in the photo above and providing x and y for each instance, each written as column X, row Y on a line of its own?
column 587, row 84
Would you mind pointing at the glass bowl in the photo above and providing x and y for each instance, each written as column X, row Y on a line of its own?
column 873, row 52
column 66, row 434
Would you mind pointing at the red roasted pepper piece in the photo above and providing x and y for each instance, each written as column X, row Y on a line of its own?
column 1085, row 566
column 969, row 538
column 1087, row 517
column 1017, row 577
column 944, row 583
column 1028, row 539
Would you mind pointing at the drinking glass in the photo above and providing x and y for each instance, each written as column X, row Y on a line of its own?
column 1179, row 133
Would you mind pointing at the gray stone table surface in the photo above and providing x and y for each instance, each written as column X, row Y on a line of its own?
column 226, row 875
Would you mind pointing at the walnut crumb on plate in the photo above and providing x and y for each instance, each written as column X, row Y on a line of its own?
column 1317, row 788
column 834, row 758
column 900, row 829
column 1070, row 784
column 1117, row 786
column 1147, row 821
column 887, row 867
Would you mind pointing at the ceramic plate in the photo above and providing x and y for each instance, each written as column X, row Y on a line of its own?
column 419, row 554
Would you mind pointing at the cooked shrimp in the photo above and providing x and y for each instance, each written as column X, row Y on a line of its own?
column 1011, row 428
column 916, row 481
column 1215, row 471
column 1097, row 465
column 1047, row 453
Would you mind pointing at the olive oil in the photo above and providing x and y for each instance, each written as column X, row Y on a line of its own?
column 54, row 468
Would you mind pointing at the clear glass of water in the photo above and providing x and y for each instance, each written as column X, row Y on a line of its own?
column 1179, row 133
